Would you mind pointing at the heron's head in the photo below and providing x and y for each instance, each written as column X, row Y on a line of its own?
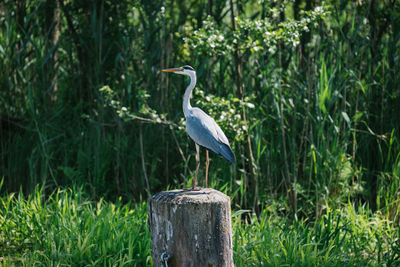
column 185, row 70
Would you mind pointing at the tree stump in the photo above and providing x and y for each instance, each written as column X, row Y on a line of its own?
column 191, row 228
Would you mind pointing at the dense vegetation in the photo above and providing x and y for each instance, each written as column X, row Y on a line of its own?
column 68, row 230
column 306, row 90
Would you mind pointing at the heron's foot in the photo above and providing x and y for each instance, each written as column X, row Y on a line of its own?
column 192, row 189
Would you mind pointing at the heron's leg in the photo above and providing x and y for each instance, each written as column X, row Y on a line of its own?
column 194, row 184
column 207, row 163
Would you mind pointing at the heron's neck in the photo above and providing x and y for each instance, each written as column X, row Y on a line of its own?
column 188, row 93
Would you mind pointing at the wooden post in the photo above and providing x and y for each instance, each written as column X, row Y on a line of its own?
column 191, row 228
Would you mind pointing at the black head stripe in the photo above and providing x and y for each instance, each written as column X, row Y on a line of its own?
column 187, row 67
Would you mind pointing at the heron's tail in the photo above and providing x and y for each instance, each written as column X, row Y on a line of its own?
column 227, row 153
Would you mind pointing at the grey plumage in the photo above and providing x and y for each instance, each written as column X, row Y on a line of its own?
column 206, row 132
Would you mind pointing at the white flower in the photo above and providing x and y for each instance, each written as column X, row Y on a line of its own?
column 250, row 105
column 318, row 9
column 271, row 49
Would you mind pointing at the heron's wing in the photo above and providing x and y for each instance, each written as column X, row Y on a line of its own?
column 206, row 132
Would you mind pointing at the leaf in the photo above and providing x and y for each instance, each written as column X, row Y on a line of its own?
column 346, row 118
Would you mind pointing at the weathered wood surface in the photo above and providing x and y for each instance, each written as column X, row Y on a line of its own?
column 193, row 227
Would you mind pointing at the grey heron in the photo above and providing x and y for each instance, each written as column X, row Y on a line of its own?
column 203, row 129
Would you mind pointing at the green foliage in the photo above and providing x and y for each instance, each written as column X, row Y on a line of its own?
column 258, row 35
column 144, row 114
column 341, row 237
column 306, row 91
column 66, row 228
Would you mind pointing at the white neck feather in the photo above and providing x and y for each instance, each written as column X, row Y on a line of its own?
column 188, row 93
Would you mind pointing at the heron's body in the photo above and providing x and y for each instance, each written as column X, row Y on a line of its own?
column 206, row 132
column 201, row 128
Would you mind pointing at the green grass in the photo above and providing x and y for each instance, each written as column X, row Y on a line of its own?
column 345, row 237
column 65, row 229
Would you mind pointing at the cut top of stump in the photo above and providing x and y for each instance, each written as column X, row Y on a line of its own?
column 184, row 196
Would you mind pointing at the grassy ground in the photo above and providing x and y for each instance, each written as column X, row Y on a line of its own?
column 66, row 230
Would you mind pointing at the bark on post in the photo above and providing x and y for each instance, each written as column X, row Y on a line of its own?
column 192, row 227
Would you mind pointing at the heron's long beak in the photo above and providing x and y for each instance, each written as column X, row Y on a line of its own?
column 173, row 70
